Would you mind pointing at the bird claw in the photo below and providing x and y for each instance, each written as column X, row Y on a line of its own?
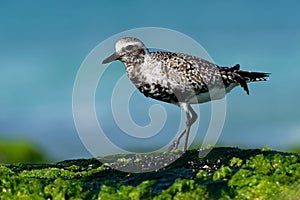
column 173, row 146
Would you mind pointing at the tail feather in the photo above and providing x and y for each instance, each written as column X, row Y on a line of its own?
column 235, row 75
column 254, row 76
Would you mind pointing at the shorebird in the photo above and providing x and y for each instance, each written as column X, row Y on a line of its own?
column 178, row 78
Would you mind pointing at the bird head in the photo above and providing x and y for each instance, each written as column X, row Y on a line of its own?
column 128, row 46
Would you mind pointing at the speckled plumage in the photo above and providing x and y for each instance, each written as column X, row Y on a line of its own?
column 179, row 78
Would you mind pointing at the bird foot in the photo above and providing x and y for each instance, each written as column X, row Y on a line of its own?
column 173, row 146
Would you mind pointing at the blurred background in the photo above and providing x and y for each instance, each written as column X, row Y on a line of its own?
column 42, row 46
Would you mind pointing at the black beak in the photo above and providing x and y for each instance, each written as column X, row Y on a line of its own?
column 111, row 58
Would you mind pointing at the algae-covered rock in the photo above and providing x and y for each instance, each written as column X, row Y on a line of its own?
column 225, row 173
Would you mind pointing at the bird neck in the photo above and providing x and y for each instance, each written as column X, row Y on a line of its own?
column 133, row 66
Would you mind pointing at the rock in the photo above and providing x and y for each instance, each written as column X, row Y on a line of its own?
column 225, row 173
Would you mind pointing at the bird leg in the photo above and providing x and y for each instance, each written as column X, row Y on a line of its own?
column 190, row 121
column 187, row 132
column 175, row 143
column 194, row 114
column 191, row 116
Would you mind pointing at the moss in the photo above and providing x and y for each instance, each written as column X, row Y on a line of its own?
column 64, row 189
column 141, row 191
column 225, row 173
column 183, row 189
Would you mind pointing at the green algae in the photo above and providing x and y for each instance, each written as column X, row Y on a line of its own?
column 225, row 173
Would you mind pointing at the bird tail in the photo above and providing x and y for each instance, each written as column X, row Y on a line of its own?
column 243, row 77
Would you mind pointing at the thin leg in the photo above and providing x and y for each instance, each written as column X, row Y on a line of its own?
column 175, row 143
column 191, row 116
column 187, row 133
column 194, row 114
column 190, row 121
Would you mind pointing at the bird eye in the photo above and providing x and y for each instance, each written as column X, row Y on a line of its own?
column 129, row 47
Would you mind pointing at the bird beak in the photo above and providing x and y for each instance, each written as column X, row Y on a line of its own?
column 111, row 58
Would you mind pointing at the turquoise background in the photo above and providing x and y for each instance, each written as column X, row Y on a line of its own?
column 43, row 44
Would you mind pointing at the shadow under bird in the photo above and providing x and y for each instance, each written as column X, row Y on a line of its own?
column 179, row 78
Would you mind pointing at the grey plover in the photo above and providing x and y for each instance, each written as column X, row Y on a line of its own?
column 179, row 78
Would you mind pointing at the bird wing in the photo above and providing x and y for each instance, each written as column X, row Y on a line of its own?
column 185, row 72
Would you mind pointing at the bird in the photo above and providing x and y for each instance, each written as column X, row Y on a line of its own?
column 179, row 78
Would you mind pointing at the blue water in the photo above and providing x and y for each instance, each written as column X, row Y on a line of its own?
column 43, row 44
